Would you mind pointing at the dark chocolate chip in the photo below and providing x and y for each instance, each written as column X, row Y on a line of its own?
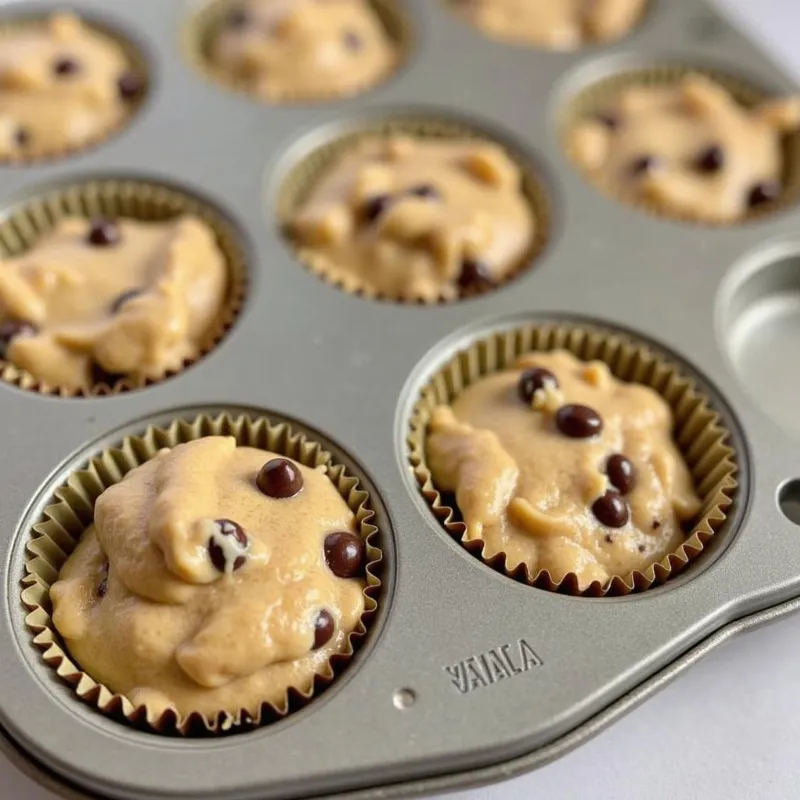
column 324, row 626
column 762, row 193
column 11, row 329
column 425, row 191
column 238, row 18
column 644, row 164
column 375, row 206
column 103, row 233
column 130, row 85
column 66, row 66
column 102, row 375
column 641, row 548
column 578, row 422
column 344, row 553
column 621, row 473
column 279, row 478
column 609, row 538
column 611, row 510
column 220, row 555
column 533, row 380
column 712, row 159
column 123, row 298
column 656, row 524
column 475, row 276
column 611, row 121
column 352, row 41
column 22, row 137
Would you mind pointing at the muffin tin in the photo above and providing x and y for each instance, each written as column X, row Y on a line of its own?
column 721, row 302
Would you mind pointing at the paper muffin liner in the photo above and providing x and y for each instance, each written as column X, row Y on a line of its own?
column 26, row 223
column 699, row 431
column 202, row 29
column 136, row 63
column 597, row 96
column 72, row 511
column 302, row 179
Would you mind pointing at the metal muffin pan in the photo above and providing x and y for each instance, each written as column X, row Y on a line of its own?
column 395, row 724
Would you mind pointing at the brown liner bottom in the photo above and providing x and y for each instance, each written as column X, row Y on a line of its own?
column 598, row 95
column 72, row 511
column 300, row 181
column 136, row 63
column 699, row 432
column 140, row 200
column 200, row 33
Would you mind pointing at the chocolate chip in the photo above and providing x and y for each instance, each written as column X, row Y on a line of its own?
column 533, row 380
column 102, row 375
column 712, row 159
column 220, row 554
column 475, row 276
column 641, row 548
column 611, row 510
column 352, row 41
column 344, row 553
column 22, row 137
column 425, row 191
column 656, row 524
column 66, row 66
column 578, row 422
column 762, row 193
column 123, row 298
column 375, row 206
column 279, row 478
column 611, row 121
column 103, row 233
column 11, row 329
column 129, row 84
column 323, row 629
column 609, row 538
column 102, row 587
column 644, row 164
column 238, row 18
column 621, row 473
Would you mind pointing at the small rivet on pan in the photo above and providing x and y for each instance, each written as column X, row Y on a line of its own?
column 404, row 699
column 789, row 500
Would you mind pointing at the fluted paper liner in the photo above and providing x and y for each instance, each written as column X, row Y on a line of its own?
column 72, row 511
column 597, row 96
column 699, row 432
column 25, row 20
column 199, row 36
column 136, row 199
column 301, row 180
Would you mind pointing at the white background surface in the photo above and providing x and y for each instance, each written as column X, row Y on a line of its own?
column 730, row 727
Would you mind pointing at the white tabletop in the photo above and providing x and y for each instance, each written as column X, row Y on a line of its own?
column 730, row 727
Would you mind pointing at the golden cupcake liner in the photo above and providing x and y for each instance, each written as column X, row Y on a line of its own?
column 199, row 35
column 699, row 432
column 72, row 511
column 136, row 63
column 141, row 200
column 596, row 98
column 301, row 180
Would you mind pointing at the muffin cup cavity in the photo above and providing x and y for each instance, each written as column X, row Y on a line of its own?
column 301, row 179
column 72, row 510
column 699, row 431
column 26, row 223
column 203, row 27
column 595, row 97
column 137, row 65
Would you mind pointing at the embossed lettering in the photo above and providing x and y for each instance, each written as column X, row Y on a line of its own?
column 484, row 669
column 528, row 656
column 458, row 676
column 476, row 679
column 497, row 667
column 515, row 670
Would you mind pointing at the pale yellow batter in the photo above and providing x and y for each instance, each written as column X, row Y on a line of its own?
column 62, row 85
column 304, row 49
column 160, row 604
column 535, row 478
column 688, row 147
column 417, row 219
column 96, row 300
column 557, row 24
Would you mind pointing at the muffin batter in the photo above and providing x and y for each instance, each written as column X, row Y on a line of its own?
column 417, row 219
column 214, row 578
column 62, row 85
column 97, row 300
column 688, row 147
column 303, row 49
column 557, row 24
column 564, row 468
